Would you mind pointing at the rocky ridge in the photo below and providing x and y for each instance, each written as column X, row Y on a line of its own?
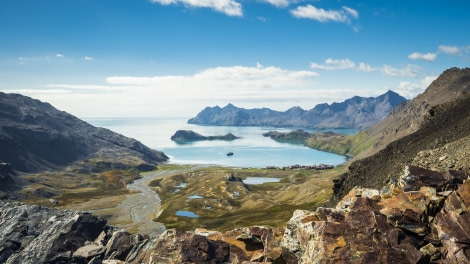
column 423, row 217
column 407, row 118
column 36, row 137
column 445, row 130
column 356, row 112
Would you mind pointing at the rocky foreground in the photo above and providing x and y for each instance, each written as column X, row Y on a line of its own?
column 423, row 217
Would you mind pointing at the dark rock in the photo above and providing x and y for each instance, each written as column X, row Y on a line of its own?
column 44, row 234
column 451, row 226
column 146, row 167
column 120, row 244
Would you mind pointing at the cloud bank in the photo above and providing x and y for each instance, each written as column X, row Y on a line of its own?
column 183, row 95
column 245, row 86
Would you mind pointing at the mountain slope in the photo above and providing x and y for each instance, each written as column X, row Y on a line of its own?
column 356, row 112
column 406, row 118
column 436, row 128
column 35, row 137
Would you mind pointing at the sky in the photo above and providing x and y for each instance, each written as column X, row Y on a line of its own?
column 173, row 58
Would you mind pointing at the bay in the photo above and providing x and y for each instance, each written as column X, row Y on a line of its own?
column 252, row 150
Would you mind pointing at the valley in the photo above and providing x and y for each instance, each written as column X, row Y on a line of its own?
column 404, row 194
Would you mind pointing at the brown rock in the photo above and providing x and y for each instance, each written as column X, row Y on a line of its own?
column 452, row 226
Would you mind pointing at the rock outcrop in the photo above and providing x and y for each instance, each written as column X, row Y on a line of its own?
column 356, row 112
column 10, row 183
column 421, row 225
column 423, row 217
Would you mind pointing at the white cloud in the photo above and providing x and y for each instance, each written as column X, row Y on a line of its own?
column 278, row 3
column 421, row 56
column 410, row 90
column 332, row 64
column 228, row 7
column 59, row 55
column 88, row 58
column 452, row 50
column 364, row 67
column 351, row 11
column 311, row 12
column 236, row 77
column 409, row 71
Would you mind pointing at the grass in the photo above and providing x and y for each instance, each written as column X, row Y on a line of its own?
column 340, row 144
column 266, row 204
column 70, row 188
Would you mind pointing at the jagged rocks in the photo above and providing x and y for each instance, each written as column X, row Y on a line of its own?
column 183, row 247
column 452, row 226
column 34, row 234
column 416, row 226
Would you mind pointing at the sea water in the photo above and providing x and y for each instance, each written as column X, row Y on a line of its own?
column 251, row 150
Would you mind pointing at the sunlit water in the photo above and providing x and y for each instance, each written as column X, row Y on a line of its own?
column 251, row 150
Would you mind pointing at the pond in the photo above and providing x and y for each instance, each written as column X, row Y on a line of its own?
column 186, row 214
column 195, row 197
column 259, row 180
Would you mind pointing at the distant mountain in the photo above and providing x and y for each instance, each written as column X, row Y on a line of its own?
column 35, row 136
column 357, row 112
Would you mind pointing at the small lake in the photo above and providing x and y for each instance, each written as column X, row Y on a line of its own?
column 186, row 214
column 252, row 150
column 259, row 180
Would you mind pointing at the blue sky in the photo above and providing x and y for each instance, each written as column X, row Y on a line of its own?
column 138, row 58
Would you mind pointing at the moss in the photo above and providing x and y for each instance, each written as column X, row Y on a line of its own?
column 340, row 144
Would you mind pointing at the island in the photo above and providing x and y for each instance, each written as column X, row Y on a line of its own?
column 182, row 136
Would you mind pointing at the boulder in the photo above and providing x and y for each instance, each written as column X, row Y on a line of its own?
column 33, row 234
column 452, row 226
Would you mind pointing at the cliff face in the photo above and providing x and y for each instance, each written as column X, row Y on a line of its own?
column 35, row 137
column 356, row 112
column 423, row 217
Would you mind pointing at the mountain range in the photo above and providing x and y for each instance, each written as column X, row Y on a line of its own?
column 356, row 112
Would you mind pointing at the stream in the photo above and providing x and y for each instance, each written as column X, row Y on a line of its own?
column 134, row 211
column 145, row 205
